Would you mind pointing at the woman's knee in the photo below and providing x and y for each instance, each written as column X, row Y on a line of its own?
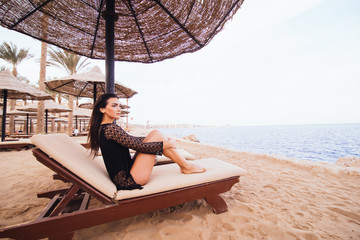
column 155, row 135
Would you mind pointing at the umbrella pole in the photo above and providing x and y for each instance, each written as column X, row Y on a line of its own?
column 110, row 18
column 3, row 126
column 46, row 120
column 94, row 94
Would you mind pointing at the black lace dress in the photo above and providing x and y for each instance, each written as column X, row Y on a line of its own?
column 114, row 145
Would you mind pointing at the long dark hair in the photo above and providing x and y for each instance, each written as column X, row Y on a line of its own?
column 95, row 121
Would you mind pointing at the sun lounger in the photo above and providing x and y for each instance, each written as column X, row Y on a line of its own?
column 21, row 136
column 67, row 211
column 18, row 145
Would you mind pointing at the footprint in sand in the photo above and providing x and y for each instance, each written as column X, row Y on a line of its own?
column 345, row 213
column 241, row 209
column 270, row 186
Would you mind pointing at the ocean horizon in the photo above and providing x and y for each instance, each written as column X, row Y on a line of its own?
column 313, row 142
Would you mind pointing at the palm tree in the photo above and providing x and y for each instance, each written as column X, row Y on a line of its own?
column 41, row 104
column 10, row 53
column 72, row 63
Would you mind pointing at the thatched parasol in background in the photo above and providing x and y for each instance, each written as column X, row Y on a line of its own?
column 136, row 31
column 12, row 88
column 90, row 105
column 22, row 113
column 79, row 113
column 50, row 106
column 89, row 84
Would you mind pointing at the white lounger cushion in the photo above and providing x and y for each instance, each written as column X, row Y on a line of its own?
column 168, row 177
column 74, row 157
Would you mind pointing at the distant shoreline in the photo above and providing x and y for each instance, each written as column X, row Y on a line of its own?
column 184, row 125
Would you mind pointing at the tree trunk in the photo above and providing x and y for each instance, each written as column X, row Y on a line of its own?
column 12, row 107
column 12, row 118
column 14, row 71
column 41, row 104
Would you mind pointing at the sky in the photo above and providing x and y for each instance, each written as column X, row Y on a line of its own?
column 275, row 63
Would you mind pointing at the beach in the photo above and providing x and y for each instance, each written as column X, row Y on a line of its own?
column 277, row 199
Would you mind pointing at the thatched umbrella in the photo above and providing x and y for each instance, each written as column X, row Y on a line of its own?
column 136, row 31
column 88, row 84
column 79, row 112
column 90, row 105
column 50, row 106
column 22, row 113
column 11, row 88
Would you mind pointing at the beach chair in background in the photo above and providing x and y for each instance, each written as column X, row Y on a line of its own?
column 68, row 209
column 18, row 144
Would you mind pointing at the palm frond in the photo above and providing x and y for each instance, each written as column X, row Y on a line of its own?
column 70, row 62
column 9, row 52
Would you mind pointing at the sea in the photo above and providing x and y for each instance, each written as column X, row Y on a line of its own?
column 317, row 143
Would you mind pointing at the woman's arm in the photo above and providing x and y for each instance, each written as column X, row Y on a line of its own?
column 117, row 134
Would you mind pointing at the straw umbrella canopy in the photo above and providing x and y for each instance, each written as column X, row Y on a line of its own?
column 22, row 113
column 89, row 105
column 50, row 106
column 12, row 88
column 80, row 112
column 136, row 31
column 125, row 112
column 89, row 84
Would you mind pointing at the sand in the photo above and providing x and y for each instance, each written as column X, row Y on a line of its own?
column 277, row 199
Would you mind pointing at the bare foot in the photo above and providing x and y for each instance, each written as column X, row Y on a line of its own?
column 192, row 168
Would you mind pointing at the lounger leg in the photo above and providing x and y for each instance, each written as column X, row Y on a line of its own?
column 217, row 203
column 65, row 200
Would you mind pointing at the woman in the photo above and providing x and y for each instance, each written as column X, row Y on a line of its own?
column 126, row 172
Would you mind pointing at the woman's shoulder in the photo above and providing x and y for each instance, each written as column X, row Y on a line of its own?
column 110, row 126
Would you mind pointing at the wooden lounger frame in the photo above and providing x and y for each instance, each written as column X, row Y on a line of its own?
column 67, row 211
column 18, row 146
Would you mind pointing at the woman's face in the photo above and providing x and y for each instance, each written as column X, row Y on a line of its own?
column 112, row 110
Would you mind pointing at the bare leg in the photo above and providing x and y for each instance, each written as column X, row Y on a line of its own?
column 144, row 163
column 185, row 166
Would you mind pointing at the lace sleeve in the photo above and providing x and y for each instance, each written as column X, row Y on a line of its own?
column 117, row 134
